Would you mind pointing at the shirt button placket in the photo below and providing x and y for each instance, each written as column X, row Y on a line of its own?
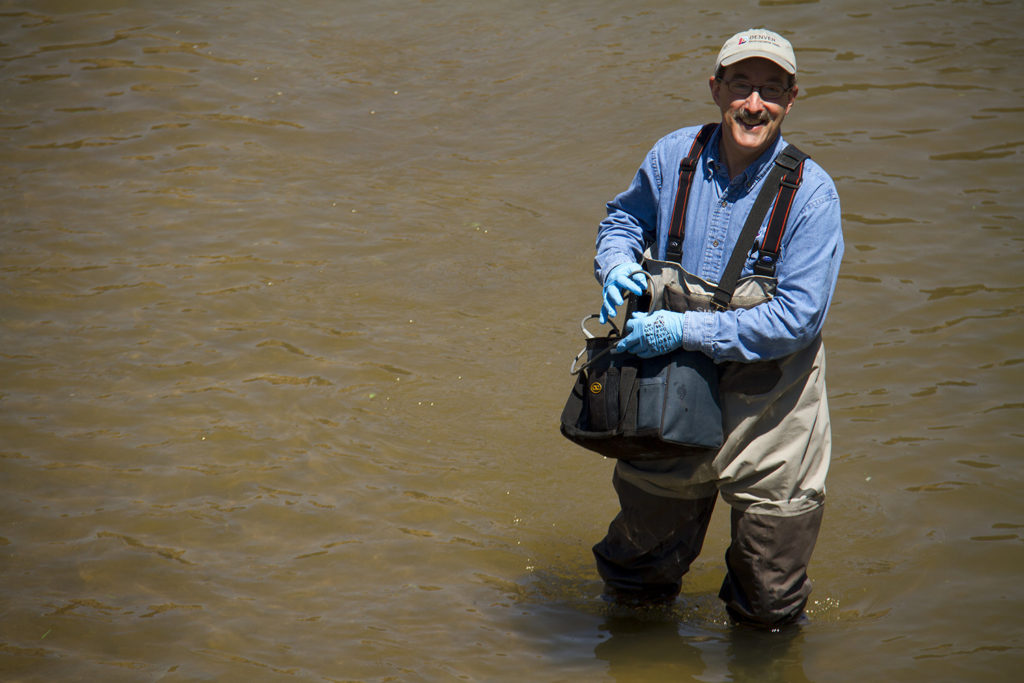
column 712, row 254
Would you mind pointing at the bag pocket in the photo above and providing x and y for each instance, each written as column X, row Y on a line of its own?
column 650, row 403
column 677, row 299
column 594, row 409
column 601, row 390
column 692, row 413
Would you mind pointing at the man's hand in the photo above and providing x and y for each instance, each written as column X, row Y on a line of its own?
column 625, row 277
column 652, row 334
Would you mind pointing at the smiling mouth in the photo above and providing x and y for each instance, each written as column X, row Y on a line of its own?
column 751, row 124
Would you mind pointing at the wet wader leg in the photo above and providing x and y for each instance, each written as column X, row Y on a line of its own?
column 651, row 542
column 766, row 582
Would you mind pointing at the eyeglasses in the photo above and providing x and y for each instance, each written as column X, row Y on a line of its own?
column 769, row 91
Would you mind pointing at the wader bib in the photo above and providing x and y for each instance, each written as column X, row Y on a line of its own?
column 771, row 468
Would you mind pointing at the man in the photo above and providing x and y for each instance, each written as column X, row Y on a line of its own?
column 771, row 468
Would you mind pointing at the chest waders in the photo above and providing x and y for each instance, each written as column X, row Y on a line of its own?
column 771, row 467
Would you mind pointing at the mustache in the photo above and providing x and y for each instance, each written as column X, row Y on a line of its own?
column 753, row 119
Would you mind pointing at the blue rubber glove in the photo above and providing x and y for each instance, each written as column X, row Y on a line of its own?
column 652, row 334
column 625, row 277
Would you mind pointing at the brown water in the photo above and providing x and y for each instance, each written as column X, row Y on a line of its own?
column 289, row 294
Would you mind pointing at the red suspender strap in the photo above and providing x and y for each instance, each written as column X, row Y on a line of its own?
column 792, row 161
column 687, row 169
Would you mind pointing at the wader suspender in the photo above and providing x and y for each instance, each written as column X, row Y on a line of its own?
column 687, row 168
column 779, row 188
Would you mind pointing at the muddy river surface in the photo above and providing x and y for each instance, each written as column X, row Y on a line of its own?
column 289, row 291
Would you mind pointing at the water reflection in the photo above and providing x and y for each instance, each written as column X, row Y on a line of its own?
column 635, row 647
column 562, row 615
column 654, row 645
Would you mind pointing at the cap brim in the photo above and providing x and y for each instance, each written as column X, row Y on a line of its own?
column 786, row 65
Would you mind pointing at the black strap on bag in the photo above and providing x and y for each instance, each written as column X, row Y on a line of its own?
column 779, row 189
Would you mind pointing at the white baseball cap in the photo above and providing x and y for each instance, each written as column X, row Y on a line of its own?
column 758, row 42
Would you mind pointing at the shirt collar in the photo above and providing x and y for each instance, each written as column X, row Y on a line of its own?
column 753, row 173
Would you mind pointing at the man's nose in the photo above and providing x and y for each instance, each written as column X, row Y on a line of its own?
column 754, row 101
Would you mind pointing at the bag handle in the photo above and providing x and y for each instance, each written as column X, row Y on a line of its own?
column 590, row 335
column 614, row 334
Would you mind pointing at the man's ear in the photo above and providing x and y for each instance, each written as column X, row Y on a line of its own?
column 792, row 97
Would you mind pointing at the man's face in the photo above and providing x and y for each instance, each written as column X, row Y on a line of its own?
column 751, row 123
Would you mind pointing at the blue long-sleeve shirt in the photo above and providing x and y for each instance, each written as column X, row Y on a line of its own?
column 808, row 267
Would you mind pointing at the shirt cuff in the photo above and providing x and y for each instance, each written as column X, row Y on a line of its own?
column 613, row 261
column 697, row 327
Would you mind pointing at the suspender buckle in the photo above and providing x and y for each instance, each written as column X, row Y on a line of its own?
column 720, row 301
column 786, row 182
column 674, row 248
column 765, row 264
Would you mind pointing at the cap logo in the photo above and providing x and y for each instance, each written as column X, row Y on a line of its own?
column 760, row 38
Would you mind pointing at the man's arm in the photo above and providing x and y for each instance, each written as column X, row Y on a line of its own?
column 631, row 222
column 807, row 273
